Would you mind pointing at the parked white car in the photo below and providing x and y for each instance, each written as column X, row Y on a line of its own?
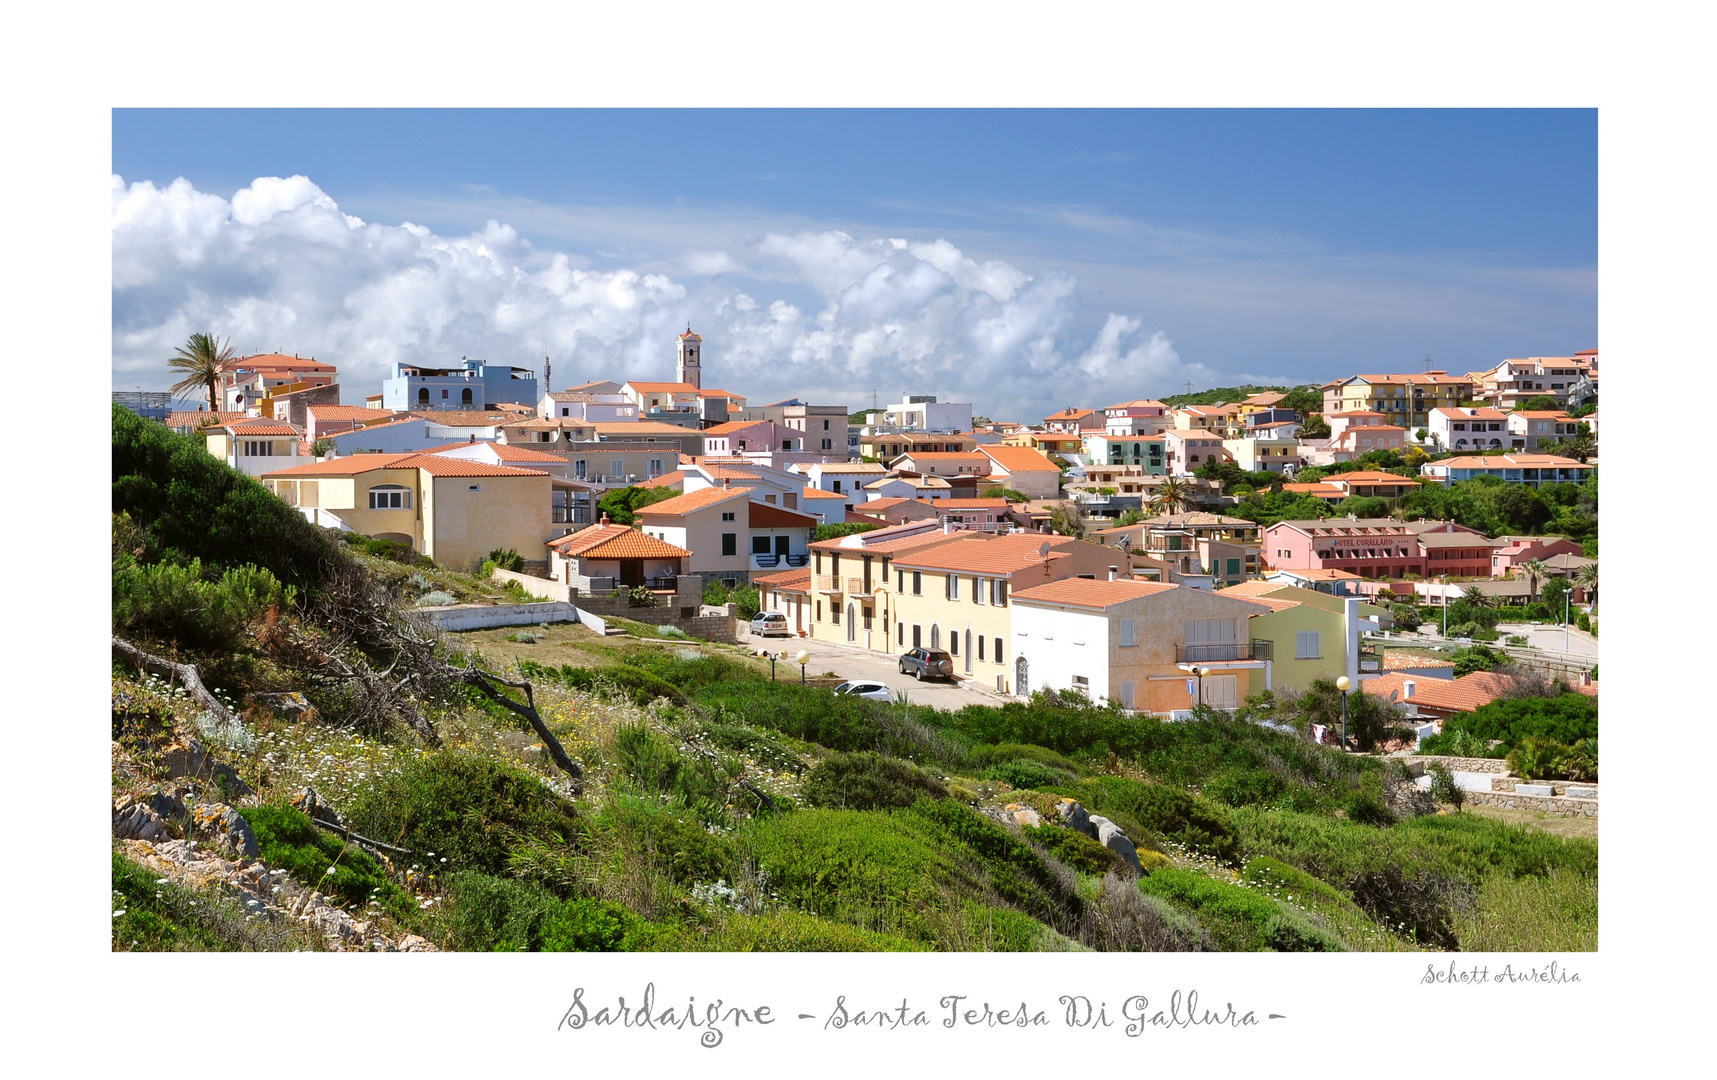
column 875, row 691
column 770, row 624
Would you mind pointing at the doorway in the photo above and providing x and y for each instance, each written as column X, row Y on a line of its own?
column 1022, row 685
column 852, row 623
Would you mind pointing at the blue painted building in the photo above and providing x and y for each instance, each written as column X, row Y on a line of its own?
column 473, row 385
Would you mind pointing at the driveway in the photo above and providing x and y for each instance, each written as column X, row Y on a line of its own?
column 853, row 663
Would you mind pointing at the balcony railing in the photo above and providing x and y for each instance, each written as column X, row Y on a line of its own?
column 1224, row 650
column 761, row 561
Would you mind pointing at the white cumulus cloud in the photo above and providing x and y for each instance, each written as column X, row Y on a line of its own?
column 821, row 315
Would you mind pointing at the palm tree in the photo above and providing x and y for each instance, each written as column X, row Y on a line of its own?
column 1170, row 497
column 1534, row 572
column 1478, row 599
column 200, row 358
column 1587, row 578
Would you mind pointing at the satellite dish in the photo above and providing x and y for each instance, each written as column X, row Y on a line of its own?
column 1393, row 694
column 1043, row 550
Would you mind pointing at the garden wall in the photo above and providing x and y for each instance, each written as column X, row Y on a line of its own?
column 484, row 616
column 1555, row 805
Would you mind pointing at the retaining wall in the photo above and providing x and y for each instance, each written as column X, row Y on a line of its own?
column 1555, row 805
column 484, row 616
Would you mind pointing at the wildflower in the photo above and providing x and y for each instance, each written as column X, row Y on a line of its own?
column 118, row 913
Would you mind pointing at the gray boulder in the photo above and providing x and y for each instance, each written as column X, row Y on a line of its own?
column 137, row 821
column 1110, row 836
column 1075, row 816
column 222, row 825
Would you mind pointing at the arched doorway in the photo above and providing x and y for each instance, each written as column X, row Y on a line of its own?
column 465, row 397
column 852, row 623
column 935, row 636
column 423, row 397
column 1022, row 685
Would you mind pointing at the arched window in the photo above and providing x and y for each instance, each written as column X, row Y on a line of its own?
column 1022, row 686
column 935, row 636
column 465, row 397
column 423, row 397
column 390, row 497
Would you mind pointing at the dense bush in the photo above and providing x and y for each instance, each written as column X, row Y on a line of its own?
column 1538, row 758
column 189, row 605
column 653, row 765
column 1566, row 718
column 1167, row 812
column 1026, row 773
column 505, row 560
column 868, row 781
column 1238, row 918
column 1477, row 658
column 465, row 808
column 589, row 925
column 495, row 914
column 785, row 931
column 1075, row 849
column 288, row 840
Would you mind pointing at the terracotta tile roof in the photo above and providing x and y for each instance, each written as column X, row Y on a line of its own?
column 764, row 516
column 348, row 412
column 880, row 504
column 548, row 423
column 786, row 581
column 1464, row 694
column 1458, row 540
column 1371, row 477
column 1091, row 593
column 943, row 455
column 274, row 361
column 1323, row 575
column 693, row 501
column 259, row 426
column 1513, row 461
column 1395, row 660
column 438, row 465
column 398, row 420
column 1475, row 413
column 674, row 479
column 845, row 467
column 818, row 493
column 193, row 417
column 1015, row 459
column 966, row 504
column 505, row 452
column 733, row 426
column 1542, row 414
column 616, row 542
column 689, row 336
column 343, row 466
column 1141, row 403
column 641, row 428
column 933, row 482
column 977, row 554
column 1321, row 487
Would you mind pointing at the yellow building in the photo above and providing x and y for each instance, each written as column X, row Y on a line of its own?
column 451, row 510
column 1406, row 399
column 1312, row 635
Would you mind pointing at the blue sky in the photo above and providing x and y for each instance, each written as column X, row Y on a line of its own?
column 1021, row 260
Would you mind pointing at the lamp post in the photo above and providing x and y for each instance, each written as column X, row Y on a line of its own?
column 1566, row 603
column 1199, row 672
column 771, row 657
column 1445, row 605
column 804, row 658
column 1344, row 684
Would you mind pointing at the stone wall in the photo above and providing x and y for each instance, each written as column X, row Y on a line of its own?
column 1555, row 805
column 484, row 616
column 1458, row 764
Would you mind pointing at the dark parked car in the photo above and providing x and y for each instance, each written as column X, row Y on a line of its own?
column 927, row 664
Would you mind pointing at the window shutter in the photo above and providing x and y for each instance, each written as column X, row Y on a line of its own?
column 1127, row 639
column 1306, row 645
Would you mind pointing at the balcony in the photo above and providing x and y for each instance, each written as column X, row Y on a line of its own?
column 776, row 560
column 1211, row 652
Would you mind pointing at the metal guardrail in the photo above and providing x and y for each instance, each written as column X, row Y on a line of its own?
column 1224, row 650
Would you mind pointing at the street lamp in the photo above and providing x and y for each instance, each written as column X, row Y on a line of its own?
column 1199, row 672
column 1344, row 684
column 771, row 657
column 804, row 658
column 1566, row 602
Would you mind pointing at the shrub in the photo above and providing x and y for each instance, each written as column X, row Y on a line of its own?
column 1075, row 849
column 467, row 809
column 1443, row 786
column 1167, row 812
column 1239, row 919
column 986, row 754
column 171, row 602
column 654, row 766
column 1026, row 773
column 494, row 914
column 845, row 528
column 1476, row 658
column 288, row 840
column 156, row 916
column 506, row 560
column 524, row 637
column 786, row 931
column 1303, row 887
column 1540, row 758
column 596, row 926
column 641, row 596
column 436, row 598
column 1565, row 718
column 868, row 781
column 1406, row 615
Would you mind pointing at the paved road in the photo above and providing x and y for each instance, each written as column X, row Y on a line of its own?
column 1547, row 638
column 854, row 663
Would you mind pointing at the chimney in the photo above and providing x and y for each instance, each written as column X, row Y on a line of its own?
column 947, row 527
column 1113, row 570
column 1585, row 678
column 604, row 517
column 724, row 481
column 1407, row 688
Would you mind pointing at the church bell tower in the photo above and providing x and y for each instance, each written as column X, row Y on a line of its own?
column 687, row 367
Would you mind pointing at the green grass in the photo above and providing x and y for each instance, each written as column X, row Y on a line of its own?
column 1239, row 919
column 1557, row 912
column 167, row 917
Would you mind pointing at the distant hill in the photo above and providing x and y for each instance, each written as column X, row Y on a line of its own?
column 1309, row 394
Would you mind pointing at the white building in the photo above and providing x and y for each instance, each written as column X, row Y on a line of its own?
column 924, row 413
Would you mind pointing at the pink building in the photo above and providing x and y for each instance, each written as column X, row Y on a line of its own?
column 1523, row 549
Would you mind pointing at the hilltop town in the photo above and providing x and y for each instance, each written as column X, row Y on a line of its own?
column 1377, row 596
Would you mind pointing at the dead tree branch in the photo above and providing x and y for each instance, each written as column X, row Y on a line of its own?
column 485, row 683
column 186, row 674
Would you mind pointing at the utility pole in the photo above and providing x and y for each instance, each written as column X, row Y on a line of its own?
column 547, row 385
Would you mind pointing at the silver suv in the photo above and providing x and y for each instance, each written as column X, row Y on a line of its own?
column 927, row 664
